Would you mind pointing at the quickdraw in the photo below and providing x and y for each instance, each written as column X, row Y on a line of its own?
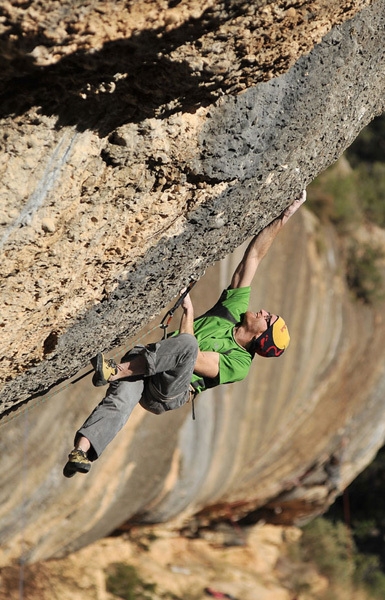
column 170, row 313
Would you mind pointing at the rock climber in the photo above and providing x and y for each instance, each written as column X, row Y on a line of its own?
column 213, row 349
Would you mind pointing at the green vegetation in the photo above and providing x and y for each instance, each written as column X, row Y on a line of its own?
column 124, row 582
column 369, row 146
column 363, row 274
column 371, row 188
column 350, row 194
column 366, row 498
column 351, row 557
column 333, row 197
column 329, row 549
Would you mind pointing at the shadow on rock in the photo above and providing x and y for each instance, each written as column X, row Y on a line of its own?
column 126, row 81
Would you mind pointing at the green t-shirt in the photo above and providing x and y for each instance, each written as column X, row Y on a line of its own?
column 215, row 332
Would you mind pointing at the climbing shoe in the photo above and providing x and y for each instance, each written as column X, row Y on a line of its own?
column 104, row 368
column 78, row 462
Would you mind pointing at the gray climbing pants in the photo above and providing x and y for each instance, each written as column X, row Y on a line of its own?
column 164, row 386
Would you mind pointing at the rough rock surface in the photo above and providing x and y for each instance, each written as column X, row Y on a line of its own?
column 130, row 159
column 248, row 564
column 138, row 147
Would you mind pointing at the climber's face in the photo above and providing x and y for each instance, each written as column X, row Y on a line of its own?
column 257, row 322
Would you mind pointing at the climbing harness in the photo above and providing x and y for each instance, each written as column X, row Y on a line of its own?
column 163, row 325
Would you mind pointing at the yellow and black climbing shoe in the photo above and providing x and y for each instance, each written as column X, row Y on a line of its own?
column 78, row 462
column 104, row 368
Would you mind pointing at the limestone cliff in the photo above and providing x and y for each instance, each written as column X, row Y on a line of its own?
column 141, row 144
column 135, row 156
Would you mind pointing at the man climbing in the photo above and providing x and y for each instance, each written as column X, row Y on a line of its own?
column 214, row 349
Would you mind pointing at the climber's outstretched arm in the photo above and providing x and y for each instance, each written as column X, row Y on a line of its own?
column 260, row 244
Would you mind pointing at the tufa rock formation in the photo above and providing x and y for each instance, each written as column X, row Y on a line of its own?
column 140, row 145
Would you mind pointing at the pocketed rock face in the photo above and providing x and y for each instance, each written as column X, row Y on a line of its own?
column 140, row 145
column 130, row 159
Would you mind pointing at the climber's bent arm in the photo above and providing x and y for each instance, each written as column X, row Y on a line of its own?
column 207, row 363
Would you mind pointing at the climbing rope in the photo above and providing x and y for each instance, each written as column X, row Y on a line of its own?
column 6, row 418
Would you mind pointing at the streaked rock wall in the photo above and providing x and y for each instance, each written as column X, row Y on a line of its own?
column 251, row 442
column 139, row 148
